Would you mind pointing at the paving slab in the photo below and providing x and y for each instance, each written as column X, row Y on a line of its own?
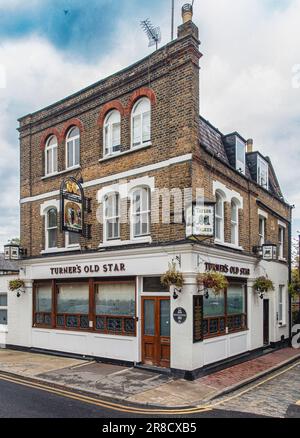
column 31, row 365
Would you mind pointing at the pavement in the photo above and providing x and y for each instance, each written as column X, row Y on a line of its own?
column 139, row 386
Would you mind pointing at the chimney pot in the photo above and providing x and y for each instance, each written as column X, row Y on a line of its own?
column 249, row 145
column 187, row 13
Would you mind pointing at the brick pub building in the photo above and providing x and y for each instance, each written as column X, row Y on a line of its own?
column 99, row 294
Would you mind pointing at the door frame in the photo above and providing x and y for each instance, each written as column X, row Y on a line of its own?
column 157, row 299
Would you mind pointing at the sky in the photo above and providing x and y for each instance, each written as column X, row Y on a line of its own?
column 250, row 71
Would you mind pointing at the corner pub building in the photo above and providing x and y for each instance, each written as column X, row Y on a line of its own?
column 98, row 294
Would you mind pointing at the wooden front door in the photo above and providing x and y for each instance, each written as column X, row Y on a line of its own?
column 156, row 325
column 266, row 322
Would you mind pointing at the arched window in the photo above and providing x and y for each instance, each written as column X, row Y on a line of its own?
column 112, row 133
column 51, row 228
column 141, row 123
column 73, row 148
column 234, row 222
column 219, row 216
column 112, row 217
column 51, row 156
column 141, row 212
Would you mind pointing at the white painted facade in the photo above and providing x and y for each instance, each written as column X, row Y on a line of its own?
column 185, row 355
column 4, row 283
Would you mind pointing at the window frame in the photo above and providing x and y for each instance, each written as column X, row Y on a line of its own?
column 281, row 241
column 117, row 216
column 47, row 228
column 133, row 214
column 282, row 305
column 262, row 236
column 235, row 223
column 72, row 141
column 239, row 164
column 221, row 219
column 227, row 317
column 262, row 163
column 110, row 126
column 51, row 149
column 141, row 114
column 5, row 309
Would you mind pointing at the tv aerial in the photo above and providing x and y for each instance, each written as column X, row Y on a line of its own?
column 153, row 33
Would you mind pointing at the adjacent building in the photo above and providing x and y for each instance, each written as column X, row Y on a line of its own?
column 126, row 147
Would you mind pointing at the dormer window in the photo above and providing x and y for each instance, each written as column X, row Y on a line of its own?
column 240, row 156
column 262, row 173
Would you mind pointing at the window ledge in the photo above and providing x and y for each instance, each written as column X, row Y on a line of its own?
column 282, row 259
column 130, row 151
column 3, row 329
column 113, row 243
column 53, row 175
column 282, row 325
column 58, row 250
column 229, row 245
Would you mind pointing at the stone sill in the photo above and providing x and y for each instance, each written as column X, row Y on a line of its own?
column 59, row 250
column 53, row 175
column 147, row 239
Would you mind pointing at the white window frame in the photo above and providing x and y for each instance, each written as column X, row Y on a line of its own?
column 134, row 214
column 262, row 163
column 282, row 305
column 281, row 237
column 71, row 245
column 262, row 236
column 140, row 114
column 116, row 216
column 53, row 151
column 47, row 228
column 240, row 165
column 235, row 223
column 112, row 120
column 5, row 308
column 220, row 218
column 71, row 142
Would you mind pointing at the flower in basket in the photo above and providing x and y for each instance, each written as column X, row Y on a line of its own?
column 214, row 281
column 172, row 277
column 264, row 284
column 16, row 285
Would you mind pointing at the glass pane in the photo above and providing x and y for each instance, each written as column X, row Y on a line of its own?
column 149, row 316
column 114, row 325
column 70, row 154
column 74, row 239
column 219, row 206
column 116, row 140
column 115, row 299
column 218, row 228
column 3, row 317
column 3, row 300
column 165, row 318
column 214, row 305
column 73, row 298
column 43, row 299
column 137, row 201
column 146, row 127
column 129, row 326
column 52, row 236
column 235, row 299
column 55, row 160
column 106, row 140
column 77, row 152
column 49, row 162
column 72, row 322
column 137, row 130
column 153, row 284
column 52, row 218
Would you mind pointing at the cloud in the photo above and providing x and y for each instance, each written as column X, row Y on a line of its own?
column 249, row 47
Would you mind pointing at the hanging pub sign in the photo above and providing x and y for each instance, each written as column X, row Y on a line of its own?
column 200, row 220
column 72, row 206
column 269, row 252
column 197, row 318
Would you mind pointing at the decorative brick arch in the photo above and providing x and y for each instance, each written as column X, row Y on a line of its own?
column 69, row 124
column 47, row 134
column 142, row 92
column 113, row 105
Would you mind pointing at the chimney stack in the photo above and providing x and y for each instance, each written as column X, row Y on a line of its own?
column 249, row 145
column 187, row 13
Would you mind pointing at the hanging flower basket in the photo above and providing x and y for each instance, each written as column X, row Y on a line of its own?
column 214, row 281
column 172, row 277
column 263, row 285
column 17, row 286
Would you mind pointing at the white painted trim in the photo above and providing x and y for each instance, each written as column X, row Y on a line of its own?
column 60, row 173
column 113, row 243
column 129, row 173
column 59, row 250
column 282, row 224
column 229, row 245
column 262, row 213
column 120, row 154
column 54, row 203
column 125, row 189
column 229, row 194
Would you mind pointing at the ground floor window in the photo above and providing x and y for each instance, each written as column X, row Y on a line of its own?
column 3, row 309
column 226, row 312
column 105, row 307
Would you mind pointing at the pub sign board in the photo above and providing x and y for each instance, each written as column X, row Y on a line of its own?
column 200, row 220
column 180, row 315
column 72, row 203
column 197, row 318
